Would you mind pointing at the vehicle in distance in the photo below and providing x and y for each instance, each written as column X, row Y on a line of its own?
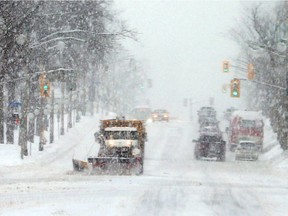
column 228, row 113
column 246, row 125
column 246, row 150
column 140, row 113
column 206, row 112
column 210, row 146
column 209, row 121
column 160, row 115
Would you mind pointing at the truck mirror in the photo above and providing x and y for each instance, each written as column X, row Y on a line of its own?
column 96, row 135
column 145, row 137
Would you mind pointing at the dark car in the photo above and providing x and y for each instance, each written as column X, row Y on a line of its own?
column 206, row 113
column 210, row 146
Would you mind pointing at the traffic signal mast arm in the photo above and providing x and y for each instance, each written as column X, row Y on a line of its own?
column 263, row 83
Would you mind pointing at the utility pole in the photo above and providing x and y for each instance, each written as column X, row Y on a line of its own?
column 23, row 119
column 83, row 104
column 62, row 108
column 77, row 107
column 42, row 141
column 70, row 110
column 190, row 106
column 45, row 90
column 32, row 98
column 52, row 119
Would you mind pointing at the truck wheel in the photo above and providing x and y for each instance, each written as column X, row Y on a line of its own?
column 222, row 157
column 139, row 169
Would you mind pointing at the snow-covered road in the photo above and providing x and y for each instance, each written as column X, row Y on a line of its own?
column 174, row 183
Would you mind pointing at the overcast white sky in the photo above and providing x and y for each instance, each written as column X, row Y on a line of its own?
column 182, row 44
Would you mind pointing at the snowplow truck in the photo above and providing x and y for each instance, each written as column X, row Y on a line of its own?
column 122, row 142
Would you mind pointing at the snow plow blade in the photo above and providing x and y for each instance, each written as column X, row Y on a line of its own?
column 79, row 165
column 100, row 161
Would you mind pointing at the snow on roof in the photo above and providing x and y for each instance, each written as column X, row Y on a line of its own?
column 120, row 129
column 246, row 141
column 142, row 107
column 248, row 115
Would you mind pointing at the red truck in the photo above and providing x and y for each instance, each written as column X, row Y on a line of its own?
column 246, row 125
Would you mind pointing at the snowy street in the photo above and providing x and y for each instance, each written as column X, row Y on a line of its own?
column 174, row 183
column 144, row 107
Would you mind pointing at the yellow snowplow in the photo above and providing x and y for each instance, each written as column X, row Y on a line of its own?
column 121, row 147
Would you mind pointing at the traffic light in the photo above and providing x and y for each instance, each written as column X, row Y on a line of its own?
column 46, row 89
column 235, row 88
column 45, row 86
column 225, row 66
column 251, row 72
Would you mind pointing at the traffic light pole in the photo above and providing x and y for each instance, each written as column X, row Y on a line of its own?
column 23, row 121
column 70, row 110
column 52, row 119
column 42, row 141
column 62, row 108
column 77, row 107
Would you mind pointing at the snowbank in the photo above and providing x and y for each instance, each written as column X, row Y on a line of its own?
column 272, row 149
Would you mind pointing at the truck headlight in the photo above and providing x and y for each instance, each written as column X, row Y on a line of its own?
column 136, row 151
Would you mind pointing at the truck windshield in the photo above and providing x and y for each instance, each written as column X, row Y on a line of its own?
column 247, row 145
column 127, row 135
column 248, row 123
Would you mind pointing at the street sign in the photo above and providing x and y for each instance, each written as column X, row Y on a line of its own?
column 14, row 104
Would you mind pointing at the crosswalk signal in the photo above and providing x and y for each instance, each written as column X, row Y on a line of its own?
column 235, row 88
column 251, row 72
column 225, row 66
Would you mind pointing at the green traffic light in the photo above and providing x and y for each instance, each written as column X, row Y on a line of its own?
column 225, row 70
column 235, row 93
column 45, row 87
